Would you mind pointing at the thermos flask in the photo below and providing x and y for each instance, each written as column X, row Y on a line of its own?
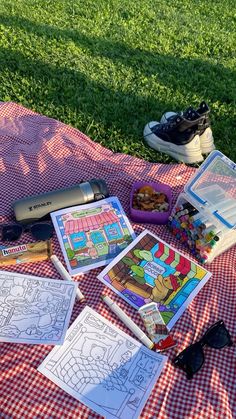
column 34, row 208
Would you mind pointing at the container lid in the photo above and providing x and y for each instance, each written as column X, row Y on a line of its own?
column 214, row 187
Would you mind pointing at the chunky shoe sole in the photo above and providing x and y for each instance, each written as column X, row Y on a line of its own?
column 188, row 153
column 207, row 141
column 206, row 138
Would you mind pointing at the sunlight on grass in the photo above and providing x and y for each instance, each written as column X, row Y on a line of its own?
column 108, row 68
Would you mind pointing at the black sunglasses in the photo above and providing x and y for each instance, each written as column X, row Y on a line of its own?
column 192, row 358
column 40, row 231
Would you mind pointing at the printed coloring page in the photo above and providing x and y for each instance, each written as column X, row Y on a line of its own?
column 33, row 309
column 150, row 270
column 91, row 235
column 104, row 368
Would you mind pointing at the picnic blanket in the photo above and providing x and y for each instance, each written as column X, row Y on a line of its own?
column 39, row 154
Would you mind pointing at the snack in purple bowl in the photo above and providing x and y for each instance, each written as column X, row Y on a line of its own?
column 150, row 202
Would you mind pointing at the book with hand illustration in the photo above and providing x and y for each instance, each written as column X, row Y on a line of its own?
column 92, row 235
column 150, row 270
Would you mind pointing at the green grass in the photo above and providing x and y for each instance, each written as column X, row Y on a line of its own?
column 107, row 67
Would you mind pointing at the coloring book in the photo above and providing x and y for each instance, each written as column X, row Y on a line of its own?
column 103, row 367
column 33, row 309
column 92, row 235
column 151, row 270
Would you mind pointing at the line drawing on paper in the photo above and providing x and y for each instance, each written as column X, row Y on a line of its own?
column 33, row 309
column 102, row 369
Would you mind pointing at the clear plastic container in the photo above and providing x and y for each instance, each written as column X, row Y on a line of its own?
column 212, row 191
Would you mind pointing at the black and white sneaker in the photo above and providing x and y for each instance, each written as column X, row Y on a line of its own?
column 178, row 137
column 204, row 125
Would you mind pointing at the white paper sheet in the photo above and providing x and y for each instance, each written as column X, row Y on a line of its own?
column 33, row 309
column 103, row 367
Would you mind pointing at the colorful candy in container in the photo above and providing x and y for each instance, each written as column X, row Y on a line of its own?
column 204, row 217
column 150, row 202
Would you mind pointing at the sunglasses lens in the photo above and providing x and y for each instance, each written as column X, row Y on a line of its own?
column 218, row 336
column 11, row 232
column 191, row 359
column 42, row 231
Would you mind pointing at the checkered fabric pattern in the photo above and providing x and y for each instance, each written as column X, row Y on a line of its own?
column 39, row 154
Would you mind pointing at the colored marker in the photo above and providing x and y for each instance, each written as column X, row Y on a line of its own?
column 211, row 227
column 128, row 322
column 65, row 275
column 209, row 236
column 193, row 212
column 199, row 221
column 208, row 225
column 213, row 243
column 187, row 205
column 196, row 216
column 209, row 233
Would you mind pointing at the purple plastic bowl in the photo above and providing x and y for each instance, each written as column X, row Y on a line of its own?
column 148, row 216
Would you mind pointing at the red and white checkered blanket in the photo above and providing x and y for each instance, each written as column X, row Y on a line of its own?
column 39, row 154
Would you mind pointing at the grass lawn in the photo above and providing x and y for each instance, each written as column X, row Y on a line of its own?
column 107, row 67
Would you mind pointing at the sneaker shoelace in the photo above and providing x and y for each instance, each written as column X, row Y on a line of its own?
column 168, row 126
column 203, row 120
column 191, row 115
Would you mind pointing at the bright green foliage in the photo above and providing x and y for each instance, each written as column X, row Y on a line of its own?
column 108, row 67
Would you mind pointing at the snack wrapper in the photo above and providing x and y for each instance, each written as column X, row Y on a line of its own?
column 25, row 253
